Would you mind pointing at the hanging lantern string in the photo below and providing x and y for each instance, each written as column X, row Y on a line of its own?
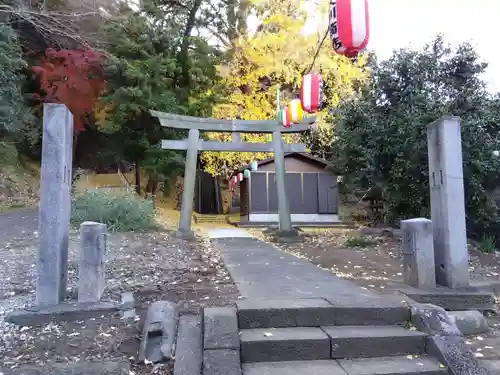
column 318, row 49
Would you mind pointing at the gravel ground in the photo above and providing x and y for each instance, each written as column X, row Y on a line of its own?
column 154, row 266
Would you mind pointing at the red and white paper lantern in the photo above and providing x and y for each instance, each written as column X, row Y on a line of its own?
column 349, row 26
column 311, row 92
column 235, row 180
column 286, row 122
column 240, row 177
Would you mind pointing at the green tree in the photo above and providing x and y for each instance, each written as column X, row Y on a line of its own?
column 380, row 135
column 145, row 72
column 278, row 53
column 12, row 104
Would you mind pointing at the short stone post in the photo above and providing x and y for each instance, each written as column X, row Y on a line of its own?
column 446, row 183
column 55, row 204
column 418, row 253
column 91, row 277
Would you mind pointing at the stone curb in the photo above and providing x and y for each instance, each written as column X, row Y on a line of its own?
column 445, row 340
column 189, row 348
column 84, row 368
column 38, row 315
column 220, row 328
column 221, row 342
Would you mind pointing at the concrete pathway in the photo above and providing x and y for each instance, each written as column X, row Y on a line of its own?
column 229, row 233
column 260, row 270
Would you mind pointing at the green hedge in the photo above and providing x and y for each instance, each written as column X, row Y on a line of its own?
column 120, row 211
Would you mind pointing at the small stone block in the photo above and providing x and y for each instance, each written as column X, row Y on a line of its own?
column 91, row 275
column 284, row 344
column 470, row 322
column 418, row 253
column 321, row 367
column 433, row 320
column 374, row 341
column 38, row 315
column 189, row 351
column 128, row 305
column 282, row 313
column 220, row 328
column 221, row 362
column 159, row 332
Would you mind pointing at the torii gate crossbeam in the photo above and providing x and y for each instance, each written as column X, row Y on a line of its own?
column 193, row 144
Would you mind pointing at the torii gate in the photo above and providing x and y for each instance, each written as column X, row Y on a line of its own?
column 193, row 144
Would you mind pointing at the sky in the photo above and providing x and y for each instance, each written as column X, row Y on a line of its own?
column 398, row 23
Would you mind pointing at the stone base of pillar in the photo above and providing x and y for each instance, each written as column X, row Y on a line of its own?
column 187, row 235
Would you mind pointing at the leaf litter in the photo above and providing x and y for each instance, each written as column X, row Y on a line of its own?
column 153, row 266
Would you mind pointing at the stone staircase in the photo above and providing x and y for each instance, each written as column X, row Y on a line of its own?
column 210, row 219
column 330, row 336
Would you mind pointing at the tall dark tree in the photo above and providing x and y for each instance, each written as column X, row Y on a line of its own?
column 144, row 72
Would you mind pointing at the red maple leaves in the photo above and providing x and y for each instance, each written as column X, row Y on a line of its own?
column 74, row 78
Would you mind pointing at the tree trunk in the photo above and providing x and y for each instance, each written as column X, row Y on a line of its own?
column 152, row 185
column 74, row 161
column 184, row 53
column 137, row 176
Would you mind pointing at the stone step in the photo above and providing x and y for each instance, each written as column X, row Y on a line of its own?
column 454, row 300
column 308, row 343
column 281, row 313
column 374, row 341
column 372, row 366
column 284, row 344
column 316, row 312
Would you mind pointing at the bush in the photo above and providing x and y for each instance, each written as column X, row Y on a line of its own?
column 119, row 211
column 361, row 242
column 381, row 136
column 8, row 154
column 487, row 244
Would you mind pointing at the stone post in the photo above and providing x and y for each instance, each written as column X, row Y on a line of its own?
column 91, row 276
column 448, row 202
column 285, row 225
column 55, row 204
column 189, row 184
column 418, row 253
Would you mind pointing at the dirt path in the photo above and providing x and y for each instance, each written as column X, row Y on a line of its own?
column 18, row 224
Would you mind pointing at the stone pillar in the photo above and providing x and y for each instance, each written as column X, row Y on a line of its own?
column 418, row 253
column 55, row 204
column 279, row 163
column 448, row 202
column 189, row 182
column 91, row 273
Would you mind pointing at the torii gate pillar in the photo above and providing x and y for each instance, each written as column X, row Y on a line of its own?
column 189, row 182
column 193, row 144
